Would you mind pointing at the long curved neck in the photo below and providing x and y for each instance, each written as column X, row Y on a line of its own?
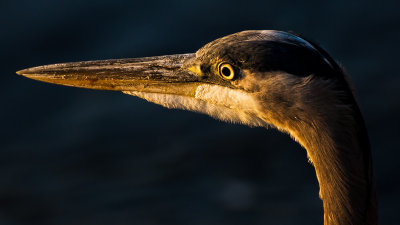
column 338, row 146
column 323, row 116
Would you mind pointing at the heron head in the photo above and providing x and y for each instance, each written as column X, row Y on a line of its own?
column 257, row 78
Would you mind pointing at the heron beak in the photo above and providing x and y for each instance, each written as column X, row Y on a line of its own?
column 159, row 74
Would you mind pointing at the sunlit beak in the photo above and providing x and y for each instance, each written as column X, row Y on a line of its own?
column 160, row 74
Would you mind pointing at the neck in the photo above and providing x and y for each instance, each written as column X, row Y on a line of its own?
column 323, row 116
column 339, row 149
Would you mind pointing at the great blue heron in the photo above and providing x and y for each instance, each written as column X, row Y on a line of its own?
column 258, row 78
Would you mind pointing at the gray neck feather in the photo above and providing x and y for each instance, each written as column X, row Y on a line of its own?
column 344, row 171
column 334, row 135
column 326, row 121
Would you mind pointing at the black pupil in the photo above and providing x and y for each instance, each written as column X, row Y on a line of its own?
column 226, row 71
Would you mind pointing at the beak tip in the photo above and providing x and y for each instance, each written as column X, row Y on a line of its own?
column 28, row 72
column 20, row 72
column 23, row 72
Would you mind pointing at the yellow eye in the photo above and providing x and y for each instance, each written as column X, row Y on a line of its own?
column 226, row 71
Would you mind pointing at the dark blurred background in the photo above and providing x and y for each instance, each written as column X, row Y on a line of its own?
column 74, row 156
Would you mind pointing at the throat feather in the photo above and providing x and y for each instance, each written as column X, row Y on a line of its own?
column 226, row 104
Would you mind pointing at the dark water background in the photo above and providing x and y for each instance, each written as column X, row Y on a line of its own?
column 73, row 156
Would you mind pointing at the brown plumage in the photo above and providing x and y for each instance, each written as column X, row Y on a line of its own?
column 258, row 78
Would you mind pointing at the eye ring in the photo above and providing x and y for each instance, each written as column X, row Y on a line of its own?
column 226, row 71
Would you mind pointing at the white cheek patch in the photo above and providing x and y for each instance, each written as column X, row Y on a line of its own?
column 219, row 102
column 227, row 97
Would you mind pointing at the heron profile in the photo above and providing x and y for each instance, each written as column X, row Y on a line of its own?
column 258, row 78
